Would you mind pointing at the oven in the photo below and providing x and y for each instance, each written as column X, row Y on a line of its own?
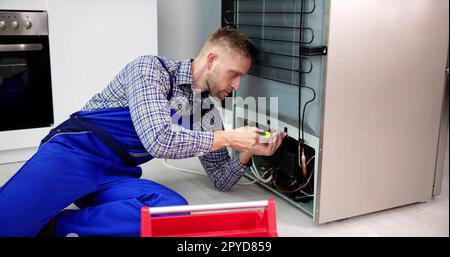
column 25, row 78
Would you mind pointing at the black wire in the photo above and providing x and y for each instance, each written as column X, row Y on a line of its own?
column 300, row 77
column 302, row 122
column 304, row 108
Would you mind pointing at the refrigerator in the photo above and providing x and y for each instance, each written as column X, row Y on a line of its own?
column 360, row 87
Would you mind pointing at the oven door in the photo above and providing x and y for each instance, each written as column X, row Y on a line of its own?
column 25, row 83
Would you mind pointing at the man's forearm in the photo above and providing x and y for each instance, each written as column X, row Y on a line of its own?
column 220, row 140
column 245, row 157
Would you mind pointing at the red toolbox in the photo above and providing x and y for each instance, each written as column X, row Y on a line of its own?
column 242, row 219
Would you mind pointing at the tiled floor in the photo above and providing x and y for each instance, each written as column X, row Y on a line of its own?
column 422, row 219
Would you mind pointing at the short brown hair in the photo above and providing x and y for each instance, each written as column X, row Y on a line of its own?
column 236, row 40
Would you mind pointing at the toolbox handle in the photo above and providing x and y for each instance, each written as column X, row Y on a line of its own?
column 208, row 207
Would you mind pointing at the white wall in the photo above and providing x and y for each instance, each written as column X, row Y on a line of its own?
column 184, row 25
column 90, row 41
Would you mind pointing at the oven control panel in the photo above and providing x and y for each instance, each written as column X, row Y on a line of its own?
column 23, row 23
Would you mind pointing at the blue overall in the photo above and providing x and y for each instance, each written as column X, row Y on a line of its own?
column 91, row 160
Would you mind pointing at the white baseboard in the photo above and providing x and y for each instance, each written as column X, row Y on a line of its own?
column 17, row 155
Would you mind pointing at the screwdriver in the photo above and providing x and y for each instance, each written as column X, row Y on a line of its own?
column 265, row 134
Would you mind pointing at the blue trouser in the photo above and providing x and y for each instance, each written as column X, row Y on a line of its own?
column 78, row 168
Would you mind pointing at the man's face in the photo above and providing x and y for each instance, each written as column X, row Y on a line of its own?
column 225, row 74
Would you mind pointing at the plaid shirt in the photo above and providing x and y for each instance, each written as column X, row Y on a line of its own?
column 143, row 86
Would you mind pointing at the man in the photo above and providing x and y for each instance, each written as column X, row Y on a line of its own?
column 92, row 158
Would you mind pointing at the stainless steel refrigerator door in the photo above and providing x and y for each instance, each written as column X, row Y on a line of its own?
column 382, row 105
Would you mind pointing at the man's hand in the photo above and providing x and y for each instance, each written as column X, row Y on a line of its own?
column 266, row 147
column 241, row 139
column 244, row 138
column 269, row 147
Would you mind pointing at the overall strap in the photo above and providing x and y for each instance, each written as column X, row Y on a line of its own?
column 119, row 149
column 169, row 95
column 106, row 138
